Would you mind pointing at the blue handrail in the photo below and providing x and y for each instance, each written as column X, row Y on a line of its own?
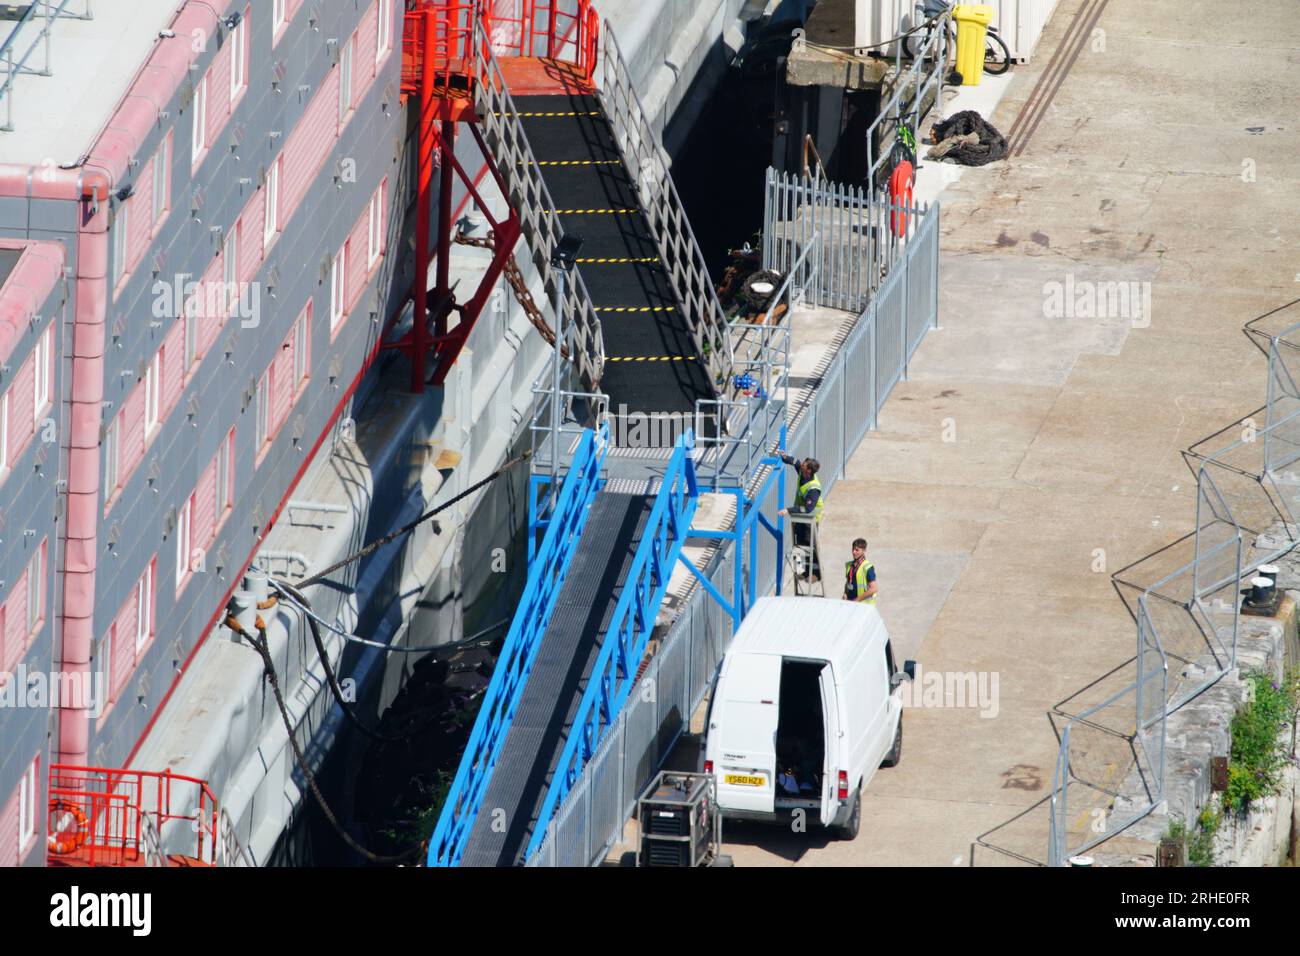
column 546, row 574
column 614, row 671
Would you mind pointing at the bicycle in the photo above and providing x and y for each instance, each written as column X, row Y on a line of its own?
column 997, row 57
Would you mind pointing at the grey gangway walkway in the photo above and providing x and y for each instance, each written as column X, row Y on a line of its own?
column 557, row 681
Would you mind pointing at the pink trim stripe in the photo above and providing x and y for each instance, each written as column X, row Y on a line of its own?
column 34, row 277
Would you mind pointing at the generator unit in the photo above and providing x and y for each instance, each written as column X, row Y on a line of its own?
column 679, row 822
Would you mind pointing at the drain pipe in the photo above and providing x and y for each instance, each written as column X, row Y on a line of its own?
column 89, row 188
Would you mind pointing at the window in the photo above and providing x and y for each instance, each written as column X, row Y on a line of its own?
column 44, row 360
column 263, row 424
column 199, row 116
column 119, row 244
column 4, row 432
column 225, row 469
column 162, row 172
column 144, row 609
column 115, row 672
column 238, row 57
column 384, row 39
column 345, row 81
column 111, row 439
column 183, row 542
column 152, row 393
column 230, row 265
column 133, row 627
column 191, row 338
column 302, row 347
column 36, row 591
column 374, row 230
column 27, row 808
column 338, row 279
column 272, row 204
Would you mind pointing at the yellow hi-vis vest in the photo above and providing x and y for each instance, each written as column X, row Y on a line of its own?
column 859, row 580
column 806, row 487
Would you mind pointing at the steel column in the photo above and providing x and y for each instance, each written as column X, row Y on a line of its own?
column 424, row 172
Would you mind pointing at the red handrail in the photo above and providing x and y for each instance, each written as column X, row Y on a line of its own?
column 562, row 30
column 99, row 814
column 591, row 45
column 448, row 42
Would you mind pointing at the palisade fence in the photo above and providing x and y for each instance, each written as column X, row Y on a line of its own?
column 860, row 238
column 1184, row 600
column 829, row 423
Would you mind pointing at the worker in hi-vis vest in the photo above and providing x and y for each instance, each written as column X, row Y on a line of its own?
column 807, row 500
column 860, row 575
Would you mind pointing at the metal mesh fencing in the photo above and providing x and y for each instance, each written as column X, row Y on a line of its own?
column 1186, row 608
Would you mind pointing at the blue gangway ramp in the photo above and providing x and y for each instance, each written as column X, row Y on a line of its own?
column 568, row 666
column 547, row 572
column 564, row 660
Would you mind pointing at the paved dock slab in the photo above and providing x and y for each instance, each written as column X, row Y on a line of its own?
column 1030, row 454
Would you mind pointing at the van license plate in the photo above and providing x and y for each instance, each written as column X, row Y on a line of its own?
column 744, row 780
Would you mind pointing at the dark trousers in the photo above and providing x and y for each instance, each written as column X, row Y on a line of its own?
column 803, row 538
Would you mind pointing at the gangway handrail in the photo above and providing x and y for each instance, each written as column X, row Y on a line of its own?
column 546, row 575
column 526, row 191
column 548, row 439
column 744, row 429
column 647, row 163
column 911, row 85
column 614, row 671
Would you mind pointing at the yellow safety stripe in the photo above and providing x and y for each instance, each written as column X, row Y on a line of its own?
column 582, row 113
column 589, row 212
column 649, row 358
column 604, row 261
column 636, row 308
column 572, row 162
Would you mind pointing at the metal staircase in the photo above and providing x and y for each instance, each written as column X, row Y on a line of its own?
column 503, row 139
column 469, row 64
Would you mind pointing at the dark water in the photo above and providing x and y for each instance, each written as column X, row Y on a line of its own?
column 719, row 169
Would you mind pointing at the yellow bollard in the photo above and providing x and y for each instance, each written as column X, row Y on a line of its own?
column 972, row 23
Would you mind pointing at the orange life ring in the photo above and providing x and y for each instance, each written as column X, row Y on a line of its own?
column 63, row 841
column 900, row 194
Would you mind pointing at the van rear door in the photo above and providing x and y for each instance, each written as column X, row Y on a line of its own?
column 834, row 751
column 746, row 751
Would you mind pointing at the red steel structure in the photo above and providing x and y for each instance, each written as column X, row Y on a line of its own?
column 103, row 817
column 437, row 74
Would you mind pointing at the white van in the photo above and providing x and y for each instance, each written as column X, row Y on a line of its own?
column 806, row 705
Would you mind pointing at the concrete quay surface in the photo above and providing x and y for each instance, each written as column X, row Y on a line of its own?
column 1035, row 448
